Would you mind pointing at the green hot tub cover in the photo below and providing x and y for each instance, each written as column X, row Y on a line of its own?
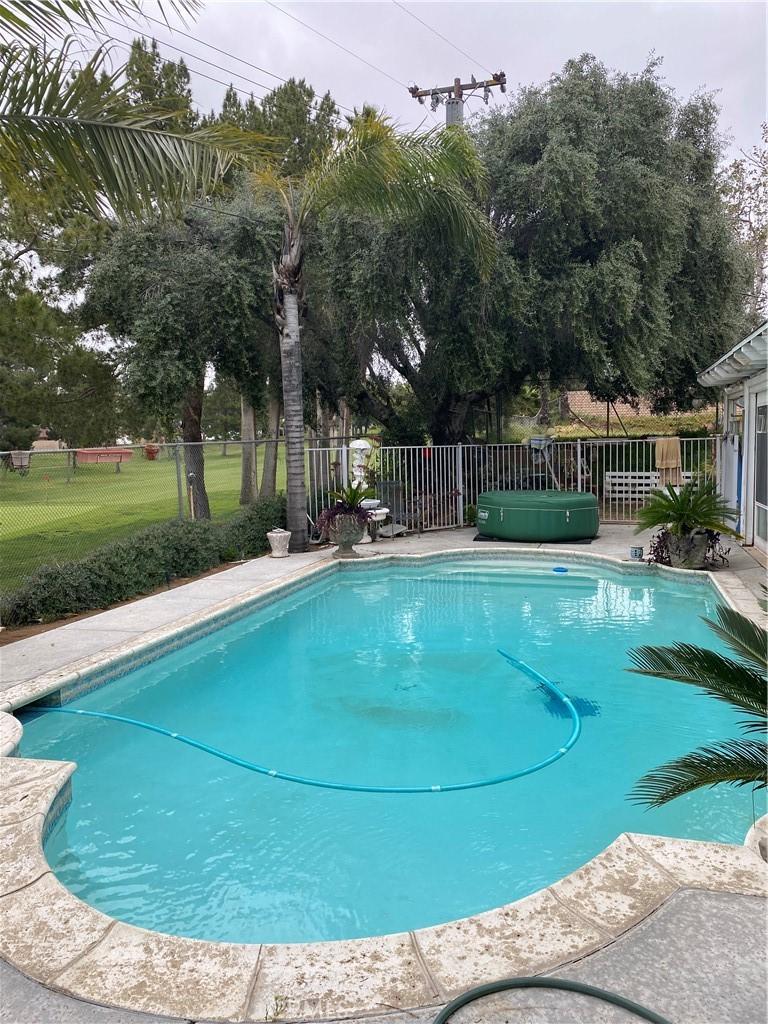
column 537, row 515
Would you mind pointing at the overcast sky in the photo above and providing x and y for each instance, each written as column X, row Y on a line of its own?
column 717, row 46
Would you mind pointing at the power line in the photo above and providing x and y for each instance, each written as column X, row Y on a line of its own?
column 221, row 67
column 440, row 36
column 337, row 45
column 128, row 46
column 225, row 53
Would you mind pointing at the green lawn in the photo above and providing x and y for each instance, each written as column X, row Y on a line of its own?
column 54, row 514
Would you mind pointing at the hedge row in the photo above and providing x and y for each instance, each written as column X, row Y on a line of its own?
column 140, row 563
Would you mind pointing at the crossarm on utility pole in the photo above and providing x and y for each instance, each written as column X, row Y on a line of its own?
column 454, row 103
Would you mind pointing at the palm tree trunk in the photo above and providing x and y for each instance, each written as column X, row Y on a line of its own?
column 194, row 459
column 288, row 282
column 293, row 402
column 271, row 449
column 249, row 484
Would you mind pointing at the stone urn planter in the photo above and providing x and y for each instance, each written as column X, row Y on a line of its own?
column 278, row 542
column 688, row 550
column 344, row 531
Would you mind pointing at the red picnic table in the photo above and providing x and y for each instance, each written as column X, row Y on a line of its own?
column 115, row 455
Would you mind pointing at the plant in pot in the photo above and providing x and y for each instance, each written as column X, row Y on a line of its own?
column 151, row 451
column 688, row 518
column 345, row 520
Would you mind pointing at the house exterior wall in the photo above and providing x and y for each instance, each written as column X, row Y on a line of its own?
column 744, row 452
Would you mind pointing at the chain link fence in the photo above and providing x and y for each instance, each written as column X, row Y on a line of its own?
column 573, row 413
column 59, row 505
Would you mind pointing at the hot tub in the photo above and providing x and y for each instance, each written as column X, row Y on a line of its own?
column 537, row 515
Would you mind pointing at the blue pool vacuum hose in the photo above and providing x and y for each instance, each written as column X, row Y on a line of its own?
column 352, row 787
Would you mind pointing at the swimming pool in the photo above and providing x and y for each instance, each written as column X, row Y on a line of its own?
column 383, row 676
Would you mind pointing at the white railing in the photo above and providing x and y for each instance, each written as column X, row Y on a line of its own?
column 431, row 487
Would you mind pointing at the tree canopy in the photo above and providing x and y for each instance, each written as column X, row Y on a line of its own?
column 604, row 186
column 618, row 267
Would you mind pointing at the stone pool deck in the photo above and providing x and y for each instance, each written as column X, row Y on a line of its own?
column 698, row 960
column 679, row 926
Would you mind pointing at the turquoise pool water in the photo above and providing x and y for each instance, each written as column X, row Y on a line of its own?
column 385, row 676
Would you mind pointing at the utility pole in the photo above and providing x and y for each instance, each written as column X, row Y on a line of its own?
column 454, row 101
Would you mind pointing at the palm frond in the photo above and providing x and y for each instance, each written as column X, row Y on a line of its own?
column 434, row 176
column 744, row 637
column 52, row 124
column 33, row 20
column 733, row 763
column 718, row 676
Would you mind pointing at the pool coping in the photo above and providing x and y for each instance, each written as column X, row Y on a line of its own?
column 50, row 935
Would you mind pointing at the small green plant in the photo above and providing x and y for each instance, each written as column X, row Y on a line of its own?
column 470, row 515
column 685, row 509
column 690, row 521
column 740, row 681
column 352, row 495
column 346, row 502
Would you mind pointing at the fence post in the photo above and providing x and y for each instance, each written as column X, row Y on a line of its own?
column 578, row 465
column 344, row 464
column 460, row 484
column 179, row 484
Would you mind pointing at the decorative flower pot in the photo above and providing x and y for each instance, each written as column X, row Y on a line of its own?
column 151, row 451
column 346, row 530
column 278, row 542
column 689, row 550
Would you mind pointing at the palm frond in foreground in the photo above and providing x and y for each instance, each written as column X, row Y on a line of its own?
column 58, row 119
column 34, row 21
column 741, row 681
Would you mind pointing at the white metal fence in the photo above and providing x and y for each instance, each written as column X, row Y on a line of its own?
column 434, row 487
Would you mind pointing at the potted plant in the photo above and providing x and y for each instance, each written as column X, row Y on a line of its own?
column 689, row 517
column 151, row 451
column 345, row 520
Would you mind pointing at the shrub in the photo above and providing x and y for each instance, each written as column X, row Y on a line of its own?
column 245, row 533
column 139, row 564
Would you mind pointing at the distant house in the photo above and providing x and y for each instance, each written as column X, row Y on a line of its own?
column 742, row 373
column 45, row 444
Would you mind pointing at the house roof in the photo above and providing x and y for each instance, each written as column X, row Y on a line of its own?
column 746, row 359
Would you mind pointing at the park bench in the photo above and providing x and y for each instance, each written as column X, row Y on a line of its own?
column 114, row 455
column 633, row 486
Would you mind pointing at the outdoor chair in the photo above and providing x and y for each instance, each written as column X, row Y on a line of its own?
column 19, row 462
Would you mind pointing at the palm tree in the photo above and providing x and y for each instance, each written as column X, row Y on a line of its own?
column 370, row 167
column 740, row 681
column 53, row 122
